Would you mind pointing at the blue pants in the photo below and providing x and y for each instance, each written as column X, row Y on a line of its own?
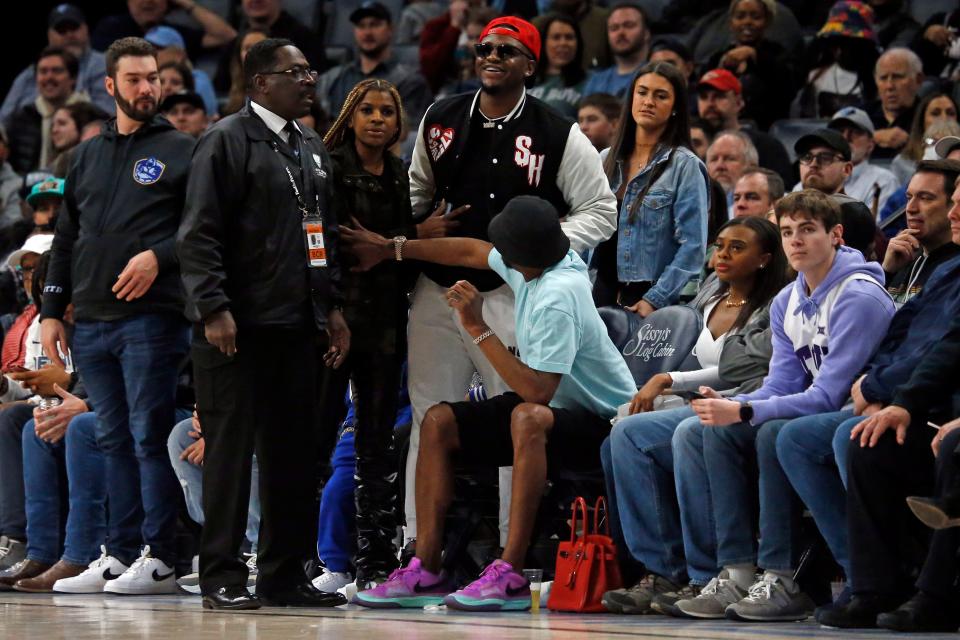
column 805, row 448
column 638, row 464
column 43, row 466
column 191, row 479
column 130, row 369
column 13, row 517
column 336, row 538
column 728, row 461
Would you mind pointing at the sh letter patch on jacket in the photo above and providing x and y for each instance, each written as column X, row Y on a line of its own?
column 532, row 161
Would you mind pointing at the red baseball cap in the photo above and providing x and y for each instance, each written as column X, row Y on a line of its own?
column 516, row 28
column 721, row 80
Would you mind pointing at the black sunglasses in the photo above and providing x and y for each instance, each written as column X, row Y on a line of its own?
column 504, row 51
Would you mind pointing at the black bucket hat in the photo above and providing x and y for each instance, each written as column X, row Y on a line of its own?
column 527, row 233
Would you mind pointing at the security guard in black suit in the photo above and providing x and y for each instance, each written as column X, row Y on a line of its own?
column 258, row 252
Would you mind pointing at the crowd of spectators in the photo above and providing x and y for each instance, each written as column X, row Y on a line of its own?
column 787, row 168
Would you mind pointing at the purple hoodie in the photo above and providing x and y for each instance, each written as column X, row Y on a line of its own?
column 816, row 377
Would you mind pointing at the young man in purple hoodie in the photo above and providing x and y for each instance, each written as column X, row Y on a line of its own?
column 825, row 327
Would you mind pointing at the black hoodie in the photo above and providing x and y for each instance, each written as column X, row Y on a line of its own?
column 124, row 194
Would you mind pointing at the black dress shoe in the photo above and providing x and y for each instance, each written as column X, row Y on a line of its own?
column 921, row 613
column 231, row 599
column 860, row 613
column 302, row 595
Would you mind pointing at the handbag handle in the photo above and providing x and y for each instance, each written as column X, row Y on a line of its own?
column 579, row 504
column 601, row 504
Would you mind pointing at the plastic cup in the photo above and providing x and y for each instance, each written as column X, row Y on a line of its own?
column 535, row 577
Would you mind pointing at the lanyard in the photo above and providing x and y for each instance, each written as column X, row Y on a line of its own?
column 296, row 192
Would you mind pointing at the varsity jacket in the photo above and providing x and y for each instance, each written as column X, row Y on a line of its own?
column 534, row 151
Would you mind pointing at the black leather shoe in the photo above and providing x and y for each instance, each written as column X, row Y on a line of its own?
column 231, row 599
column 921, row 613
column 302, row 595
column 860, row 613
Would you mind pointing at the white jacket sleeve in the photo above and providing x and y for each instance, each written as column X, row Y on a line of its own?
column 593, row 206
column 422, row 184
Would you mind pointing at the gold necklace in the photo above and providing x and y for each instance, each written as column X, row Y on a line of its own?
column 728, row 303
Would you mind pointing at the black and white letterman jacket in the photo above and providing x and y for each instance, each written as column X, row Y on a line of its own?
column 535, row 151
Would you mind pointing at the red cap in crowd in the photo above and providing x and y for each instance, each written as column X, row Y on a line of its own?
column 721, row 80
column 516, row 28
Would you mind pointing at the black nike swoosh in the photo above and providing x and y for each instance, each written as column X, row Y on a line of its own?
column 160, row 578
column 417, row 588
column 512, row 592
column 109, row 575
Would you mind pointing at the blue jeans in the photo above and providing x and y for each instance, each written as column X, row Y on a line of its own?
column 841, row 446
column 638, row 466
column 695, row 498
column 728, row 461
column 13, row 517
column 130, row 369
column 336, row 535
column 43, row 466
column 805, row 451
column 191, row 479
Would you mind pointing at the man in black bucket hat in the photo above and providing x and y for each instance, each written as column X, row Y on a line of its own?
column 566, row 383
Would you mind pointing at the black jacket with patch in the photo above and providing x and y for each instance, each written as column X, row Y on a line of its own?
column 124, row 194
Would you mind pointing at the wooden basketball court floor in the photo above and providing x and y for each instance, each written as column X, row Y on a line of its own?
column 54, row 617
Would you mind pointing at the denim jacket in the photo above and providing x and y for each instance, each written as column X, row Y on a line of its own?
column 666, row 242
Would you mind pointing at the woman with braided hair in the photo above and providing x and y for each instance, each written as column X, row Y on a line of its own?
column 372, row 189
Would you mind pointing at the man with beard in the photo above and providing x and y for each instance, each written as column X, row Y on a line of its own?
column 719, row 102
column 258, row 247
column 67, row 29
column 474, row 152
column 628, row 34
column 114, row 258
column 825, row 161
column 373, row 33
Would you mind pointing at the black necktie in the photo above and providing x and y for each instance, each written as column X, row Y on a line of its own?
column 293, row 137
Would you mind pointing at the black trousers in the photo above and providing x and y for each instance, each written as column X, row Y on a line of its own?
column 376, row 381
column 887, row 542
column 940, row 571
column 262, row 399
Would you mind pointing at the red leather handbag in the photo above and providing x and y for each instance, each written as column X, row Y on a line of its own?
column 586, row 565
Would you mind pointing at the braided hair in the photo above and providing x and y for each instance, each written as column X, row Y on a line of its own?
column 340, row 132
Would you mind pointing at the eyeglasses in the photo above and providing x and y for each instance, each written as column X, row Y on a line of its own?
column 504, row 51
column 820, row 158
column 298, row 74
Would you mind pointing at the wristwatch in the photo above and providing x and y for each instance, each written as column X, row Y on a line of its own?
column 398, row 242
column 746, row 412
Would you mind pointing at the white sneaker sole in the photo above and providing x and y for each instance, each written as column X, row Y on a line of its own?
column 82, row 588
column 166, row 587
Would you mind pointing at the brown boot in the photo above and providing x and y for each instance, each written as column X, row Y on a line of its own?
column 23, row 569
column 43, row 583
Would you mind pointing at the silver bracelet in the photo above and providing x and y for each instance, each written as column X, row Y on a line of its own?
column 483, row 336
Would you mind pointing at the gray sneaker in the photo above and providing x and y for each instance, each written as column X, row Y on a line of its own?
column 11, row 552
column 769, row 600
column 636, row 600
column 666, row 603
column 714, row 598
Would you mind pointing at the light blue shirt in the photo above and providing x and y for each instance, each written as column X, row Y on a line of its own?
column 560, row 331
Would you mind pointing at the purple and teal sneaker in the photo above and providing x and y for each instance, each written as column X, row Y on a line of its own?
column 499, row 588
column 410, row 587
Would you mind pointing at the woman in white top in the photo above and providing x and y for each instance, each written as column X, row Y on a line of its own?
column 638, row 464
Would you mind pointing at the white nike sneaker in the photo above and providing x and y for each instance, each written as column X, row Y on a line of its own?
column 146, row 576
column 98, row 573
column 331, row 581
